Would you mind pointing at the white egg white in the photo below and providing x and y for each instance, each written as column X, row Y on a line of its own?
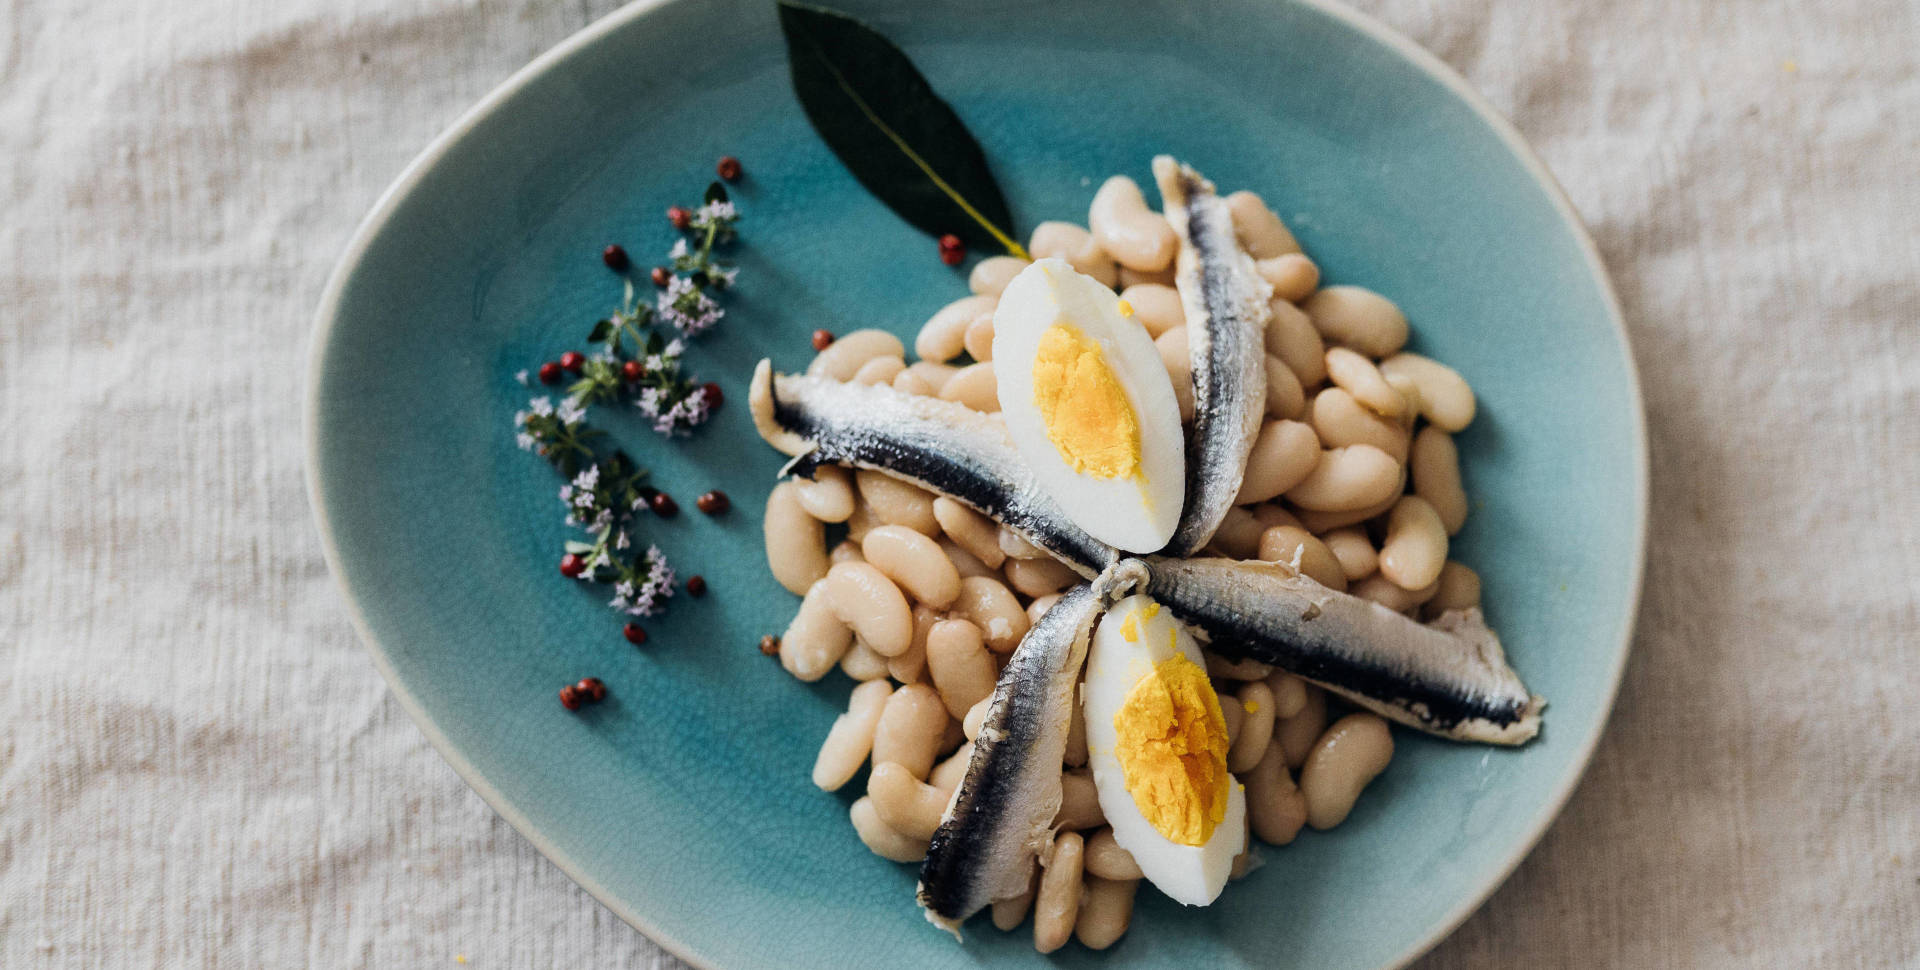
column 1137, row 513
column 1193, row 875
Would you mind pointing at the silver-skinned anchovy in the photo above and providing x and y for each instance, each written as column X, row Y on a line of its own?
column 1226, row 306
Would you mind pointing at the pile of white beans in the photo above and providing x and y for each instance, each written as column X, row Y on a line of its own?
column 1354, row 481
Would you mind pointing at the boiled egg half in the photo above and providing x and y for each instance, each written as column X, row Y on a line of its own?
column 1089, row 405
column 1157, row 744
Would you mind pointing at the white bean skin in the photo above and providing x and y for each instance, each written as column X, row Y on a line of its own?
column 1392, row 595
column 936, row 375
column 979, row 338
column 1016, row 547
column 944, row 335
column 1351, row 316
column 1178, row 360
column 1079, row 802
column 1340, row 420
column 1129, row 277
column 844, row 357
column 846, row 550
column 1352, row 477
column 1275, row 807
column 990, row 276
column 897, row 503
column 1256, row 729
column 951, row 739
column 1283, row 542
column 880, row 370
column 1416, row 545
column 948, row 774
column 1359, row 377
column 1261, row 232
column 1352, row 753
column 974, row 386
column 1295, row 735
column 1105, row 912
column 1012, row 911
column 1039, row 607
column 1285, row 397
column 1233, row 716
column 828, row 495
column 958, row 662
column 1270, row 514
column 1039, row 577
column 1289, row 695
column 965, row 563
column 1446, row 399
column 1285, row 455
column 1238, row 536
column 911, row 728
column 1057, row 906
column 816, row 639
column 1135, row 236
column 796, row 541
column 972, row 531
column 866, row 600
column 910, row 667
column 1106, row 859
column 908, row 382
column 1075, row 245
column 1458, row 589
column 1157, row 307
column 906, row 804
column 862, row 663
column 1292, row 275
column 861, row 522
column 914, row 562
column 851, row 737
column 1350, row 545
column 1220, row 668
column 976, row 716
column 1319, row 522
column 1435, row 464
column 993, row 608
column 884, row 841
column 1292, row 338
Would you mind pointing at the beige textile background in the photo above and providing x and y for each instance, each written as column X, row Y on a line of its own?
column 200, row 768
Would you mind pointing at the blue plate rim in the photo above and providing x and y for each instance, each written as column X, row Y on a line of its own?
column 370, row 228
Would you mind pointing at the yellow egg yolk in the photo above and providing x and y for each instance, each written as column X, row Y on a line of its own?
column 1172, row 748
column 1086, row 411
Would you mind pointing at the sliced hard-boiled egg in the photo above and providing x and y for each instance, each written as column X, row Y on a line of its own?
column 1157, row 745
column 1090, row 406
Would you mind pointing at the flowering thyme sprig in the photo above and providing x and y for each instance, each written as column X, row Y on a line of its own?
column 685, row 302
column 602, row 496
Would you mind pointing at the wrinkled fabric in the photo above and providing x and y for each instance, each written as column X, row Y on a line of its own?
column 200, row 768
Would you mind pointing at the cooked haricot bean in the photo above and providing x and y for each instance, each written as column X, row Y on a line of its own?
column 1220, row 668
column 1292, row 275
column 947, row 775
column 866, row 600
column 844, row 357
column 935, row 374
column 1319, row 523
column 1416, row 544
column 966, row 563
column 1178, row 360
column 1289, row 694
column 816, row 639
column 1057, row 906
column 1129, row 277
column 1283, row 543
column 1261, row 232
column 980, row 338
column 1446, row 399
column 1157, row 307
column 1292, row 338
column 1135, row 236
column 911, row 666
column 957, row 661
column 1275, row 806
column 1352, row 753
column 862, row 663
column 1284, row 456
column 911, row 728
column 1232, row 715
column 1017, row 547
column 1106, row 859
column 897, row 503
column 1295, row 735
column 861, row 522
column 914, row 562
column 828, row 495
column 908, row 382
column 1248, row 859
column 976, row 716
column 944, row 335
column 1238, row 536
column 974, row 386
column 1285, row 399
column 1039, row 577
column 1350, row 545
column 1270, row 514
column 1256, row 729
column 1079, row 802
column 1105, row 911
column 1340, row 420
column 1076, row 756
column 1012, row 911
column 796, row 541
column 992, row 607
column 1350, row 316
column 1075, row 245
column 851, row 737
column 1352, row 477
column 906, row 804
column 1040, row 605
column 974, row 532
column 880, row 370
column 951, row 739
column 846, row 550
column 990, row 276
column 1410, row 393
column 884, row 841
column 1435, row 464
column 1359, row 377
column 1458, row 589
column 1392, row 595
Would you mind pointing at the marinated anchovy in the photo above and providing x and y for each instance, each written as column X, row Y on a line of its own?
column 1002, row 814
column 1448, row 678
column 939, row 445
column 1226, row 303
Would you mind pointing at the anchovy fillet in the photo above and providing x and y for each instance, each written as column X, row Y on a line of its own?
column 1001, row 816
column 942, row 446
column 1226, row 303
column 1448, row 678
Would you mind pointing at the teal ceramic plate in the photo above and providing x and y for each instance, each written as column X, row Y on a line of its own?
column 683, row 802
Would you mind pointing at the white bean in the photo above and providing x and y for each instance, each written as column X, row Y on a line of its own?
column 1292, row 275
column 1289, row 695
column 948, row 774
column 1285, row 397
column 914, row 562
column 1057, row 906
column 866, row 600
column 1178, row 360
column 990, row 276
column 1106, row 909
column 1458, row 589
column 1340, row 420
column 1319, row 523
column 909, row 667
column 908, row 382
column 1392, row 595
column 966, row 563
column 979, row 338
column 1238, row 536
column 1039, row 577
column 1270, row 514
column 1039, row 607
column 974, row 386
column 1129, row 277
column 976, row 716
column 1106, row 859
column 1355, row 552
column 1135, row 236
column 1261, row 232
column 1416, row 545
column 828, row 495
column 1295, row 735
column 851, row 737
column 1359, row 377
column 972, row 531
column 1011, row 911
column 1446, row 399
column 861, row 522
column 911, row 729
column 1435, row 464
column 1353, row 477
column 1017, row 547
column 884, row 841
column 1079, row 802
column 1275, row 807
column 846, row 550
column 843, row 358
column 1232, row 715
column 1284, row 456
column 1283, row 543
column 896, row 502
column 796, row 541
column 1076, row 756
column 1352, row 753
column 1075, row 245
column 906, row 804
column 880, row 370
column 959, row 664
column 936, row 375
column 1157, row 307
column 1220, row 668
column 816, row 639
column 1292, row 338
column 1351, row 316
column 862, row 663
column 993, row 608
column 1256, row 729
column 944, row 335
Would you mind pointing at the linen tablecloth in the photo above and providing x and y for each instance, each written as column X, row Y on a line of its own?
column 200, row 768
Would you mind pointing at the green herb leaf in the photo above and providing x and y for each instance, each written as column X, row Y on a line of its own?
column 600, row 332
column 715, row 193
column 881, row 117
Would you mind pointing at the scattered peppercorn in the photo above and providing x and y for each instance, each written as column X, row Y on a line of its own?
column 679, row 217
column 571, row 566
column 570, row 697
column 549, row 372
column 715, row 396
column 632, row 371
column 635, row 633
column 952, row 250
column 661, row 276
column 593, row 687
column 572, row 361
column 663, row 505
column 729, row 167
column 713, row 503
column 769, row 644
column 822, row 339
column 614, row 257
column 696, row 586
